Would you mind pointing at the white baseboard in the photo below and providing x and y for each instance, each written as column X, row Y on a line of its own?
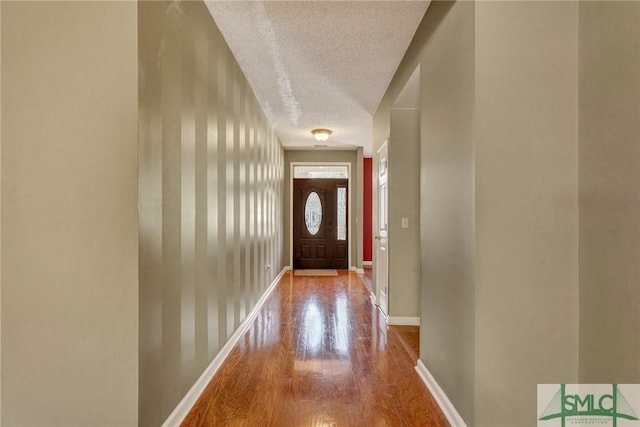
column 357, row 270
column 409, row 321
column 180, row 412
column 367, row 263
column 440, row 397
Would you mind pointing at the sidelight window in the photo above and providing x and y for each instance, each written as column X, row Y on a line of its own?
column 342, row 213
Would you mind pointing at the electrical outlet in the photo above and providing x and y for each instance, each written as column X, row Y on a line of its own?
column 405, row 222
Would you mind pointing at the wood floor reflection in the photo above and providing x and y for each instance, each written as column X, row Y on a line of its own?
column 318, row 354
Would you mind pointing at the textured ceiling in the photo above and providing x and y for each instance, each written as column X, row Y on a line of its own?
column 319, row 64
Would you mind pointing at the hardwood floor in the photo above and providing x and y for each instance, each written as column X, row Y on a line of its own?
column 318, row 354
column 367, row 278
column 410, row 338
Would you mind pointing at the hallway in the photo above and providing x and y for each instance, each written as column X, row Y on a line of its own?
column 146, row 209
column 318, row 354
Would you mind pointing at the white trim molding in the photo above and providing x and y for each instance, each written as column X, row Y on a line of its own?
column 440, row 397
column 408, row 321
column 180, row 412
column 357, row 270
column 367, row 263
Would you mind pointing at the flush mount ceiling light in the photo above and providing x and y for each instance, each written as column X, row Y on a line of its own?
column 321, row 134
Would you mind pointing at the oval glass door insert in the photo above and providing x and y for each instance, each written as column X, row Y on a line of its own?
column 313, row 213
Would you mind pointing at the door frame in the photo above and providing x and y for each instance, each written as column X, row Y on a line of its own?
column 350, row 232
column 376, row 224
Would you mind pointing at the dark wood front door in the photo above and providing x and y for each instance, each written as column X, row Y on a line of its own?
column 320, row 234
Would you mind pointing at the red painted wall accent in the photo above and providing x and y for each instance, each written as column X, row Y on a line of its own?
column 367, row 252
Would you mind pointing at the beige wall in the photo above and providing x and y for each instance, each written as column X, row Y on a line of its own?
column 447, row 203
column 404, row 202
column 499, row 210
column 443, row 47
column 609, row 166
column 0, row 215
column 69, row 214
column 526, row 205
column 211, row 182
column 352, row 157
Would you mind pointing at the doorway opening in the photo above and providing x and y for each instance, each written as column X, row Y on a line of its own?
column 397, row 254
column 320, row 216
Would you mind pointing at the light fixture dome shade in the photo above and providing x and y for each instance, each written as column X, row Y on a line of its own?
column 321, row 134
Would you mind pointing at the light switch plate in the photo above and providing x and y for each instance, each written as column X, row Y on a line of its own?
column 405, row 222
